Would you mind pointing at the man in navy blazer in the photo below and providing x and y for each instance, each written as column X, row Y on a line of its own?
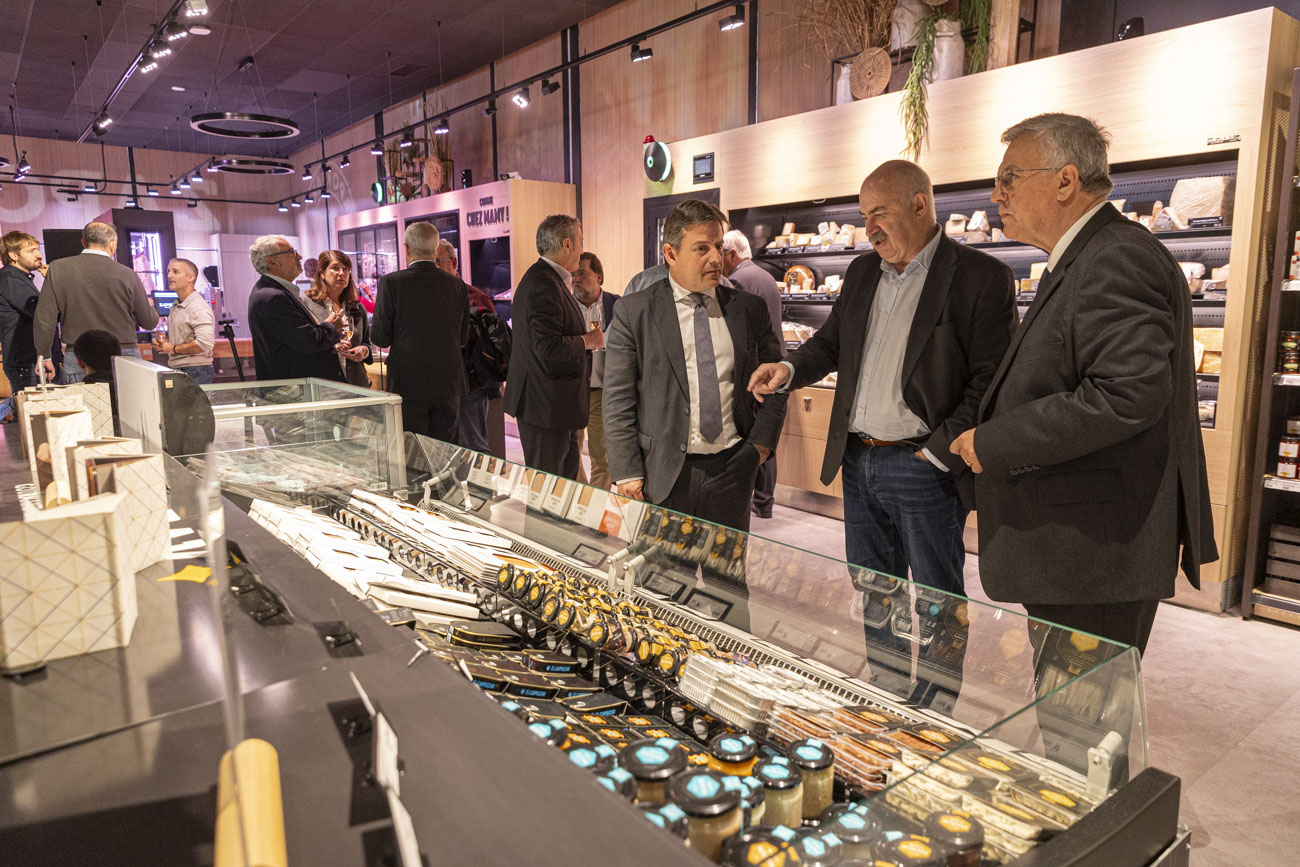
column 597, row 309
column 288, row 343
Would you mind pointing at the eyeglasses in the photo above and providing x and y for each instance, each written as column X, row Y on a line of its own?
column 283, row 253
column 1007, row 179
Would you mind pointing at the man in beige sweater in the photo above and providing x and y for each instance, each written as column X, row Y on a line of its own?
column 92, row 291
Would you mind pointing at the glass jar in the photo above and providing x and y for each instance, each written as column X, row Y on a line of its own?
column 712, row 808
column 735, row 754
column 652, row 761
column 817, row 763
column 959, row 833
column 1289, row 447
column 783, row 791
column 858, row 828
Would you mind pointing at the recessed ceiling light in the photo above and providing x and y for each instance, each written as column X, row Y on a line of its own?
column 178, row 88
column 200, row 30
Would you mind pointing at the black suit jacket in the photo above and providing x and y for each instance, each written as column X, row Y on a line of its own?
column 963, row 324
column 1094, row 472
column 422, row 312
column 287, row 342
column 550, row 369
column 646, row 395
column 750, row 276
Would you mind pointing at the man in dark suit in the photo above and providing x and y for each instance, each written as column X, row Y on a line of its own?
column 288, row 343
column 680, row 429
column 739, row 267
column 92, row 291
column 597, row 309
column 422, row 312
column 916, row 334
column 1087, row 446
column 550, row 365
column 20, row 254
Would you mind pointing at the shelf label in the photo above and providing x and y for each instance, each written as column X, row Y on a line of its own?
column 1205, row 223
column 1282, row 484
column 1286, row 378
column 865, row 245
column 795, row 249
column 836, row 248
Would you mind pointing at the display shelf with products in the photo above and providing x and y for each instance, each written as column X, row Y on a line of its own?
column 1271, row 585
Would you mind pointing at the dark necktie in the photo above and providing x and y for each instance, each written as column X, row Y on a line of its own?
column 706, row 371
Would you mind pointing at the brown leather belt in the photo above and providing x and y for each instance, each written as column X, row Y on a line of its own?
column 917, row 442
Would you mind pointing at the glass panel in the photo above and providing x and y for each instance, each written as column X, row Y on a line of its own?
column 319, row 469
column 385, row 249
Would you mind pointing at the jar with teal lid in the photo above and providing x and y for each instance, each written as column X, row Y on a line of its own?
column 758, row 846
column 814, row 758
column 667, row 816
column 753, row 806
column 733, row 754
column 620, row 782
column 818, row 849
column 711, row 805
column 783, row 792
column 598, row 758
column 517, row 709
column 857, row 827
column 652, row 761
column 555, row 732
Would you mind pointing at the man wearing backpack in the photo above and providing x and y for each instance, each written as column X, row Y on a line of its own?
column 487, row 355
column 423, row 314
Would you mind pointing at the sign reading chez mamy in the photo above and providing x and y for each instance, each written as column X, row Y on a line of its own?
column 488, row 213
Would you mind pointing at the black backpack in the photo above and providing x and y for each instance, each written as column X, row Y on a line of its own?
column 487, row 354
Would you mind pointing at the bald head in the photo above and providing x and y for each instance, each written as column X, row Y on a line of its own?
column 99, row 236
column 902, row 181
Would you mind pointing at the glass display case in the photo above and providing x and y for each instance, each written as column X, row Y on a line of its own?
column 927, row 701
column 298, row 435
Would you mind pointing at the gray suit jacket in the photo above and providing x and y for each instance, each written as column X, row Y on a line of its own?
column 1094, row 472
column 646, row 396
column 751, row 277
column 87, row 292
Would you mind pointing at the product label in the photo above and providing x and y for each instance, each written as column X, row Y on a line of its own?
column 1057, row 798
column 994, row 764
column 955, row 824
column 703, row 787
column 914, row 849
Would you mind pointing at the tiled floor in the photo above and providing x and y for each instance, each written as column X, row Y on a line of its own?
column 1223, row 713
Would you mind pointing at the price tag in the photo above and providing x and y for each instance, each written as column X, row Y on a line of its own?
column 408, row 847
column 796, row 249
column 1282, row 484
column 386, row 772
column 865, row 245
column 836, row 248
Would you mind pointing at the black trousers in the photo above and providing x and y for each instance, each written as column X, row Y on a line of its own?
column 1126, row 622
column 717, row 488
column 765, row 486
column 433, row 417
column 552, row 450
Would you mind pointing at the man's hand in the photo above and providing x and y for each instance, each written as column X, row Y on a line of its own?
column 767, row 378
column 49, row 370
column 763, row 452
column 632, row 489
column 164, row 346
column 964, row 447
column 43, row 269
column 358, row 353
column 335, row 317
column 594, row 339
column 342, row 347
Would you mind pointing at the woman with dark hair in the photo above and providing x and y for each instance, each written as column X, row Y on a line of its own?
column 331, row 289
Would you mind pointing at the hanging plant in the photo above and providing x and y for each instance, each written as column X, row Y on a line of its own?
column 972, row 14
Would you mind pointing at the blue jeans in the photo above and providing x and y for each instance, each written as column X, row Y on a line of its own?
column 472, row 433
column 20, row 375
column 72, row 371
column 200, row 373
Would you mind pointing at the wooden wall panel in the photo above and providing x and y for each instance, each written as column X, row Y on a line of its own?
column 695, row 81
column 794, row 73
column 531, row 140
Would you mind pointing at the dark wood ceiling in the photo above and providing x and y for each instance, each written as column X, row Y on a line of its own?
column 324, row 63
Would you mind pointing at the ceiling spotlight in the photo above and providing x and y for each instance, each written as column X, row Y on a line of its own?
column 441, row 127
column 306, row 173
column 639, row 53
column 175, row 190
column 151, row 191
column 377, row 149
column 159, row 50
column 308, row 199
column 74, row 198
column 196, row 178
column 406, row 141
column 346, row 161
column 23, row 166
column 325, row 168
column 200, row 30
column 132, row 203
column 283, row 208
column 102, row 123
column 19, row 177
column 521, row 98
column 88, row 187
column 179, row 88
column 735, row 20
column 549, row 87
column 192, row 203
column 490, row 109
column 325, row 194
column 185, row 183
column 212, row 167
column 149, row 66
column 295, row 204
column 195, row 8
column 175, row 31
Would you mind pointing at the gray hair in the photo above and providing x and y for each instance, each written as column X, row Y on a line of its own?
column 99, row 235
column 736, row 240
column 552, row 231
column 193, row 269
column 689, row 213
column 445, row 246
column 263, row 247
column 905, row 180
column 422, row 240
column 1070, row 140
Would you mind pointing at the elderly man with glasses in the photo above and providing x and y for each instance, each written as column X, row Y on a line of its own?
column 288, row 343
column 1090, row 473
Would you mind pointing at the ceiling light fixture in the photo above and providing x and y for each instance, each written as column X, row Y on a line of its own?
column 377, row 149
column 490, row 109
column 283, row 208
column 88, row 187
column 639, row 53
column 325, row 194
column 178, row 88
column 23, row 166
column 735, row 20
column 441, row 127
column 132, row 203
column 346, row 161
column 549, row 87
column 306, row 173
column 185, row 183
column 159, row 50
column 271, row 127
column 406, row 141
column 196, row 8
column 521, row 97
column 102, row 123
column 308, row 199
column 175, row 31
column 295, row 204
column 200, row 30
column 196, row 178
column 211, row 167
column 151, row 192
column 175, row 190
column 249, row 166
column 149, row 66
column 192, row 203
column 325, row 168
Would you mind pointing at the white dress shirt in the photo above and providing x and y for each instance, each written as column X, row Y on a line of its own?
column 566, row 276
column 724, row 355
column 95, row 252
column 595, row 312
column 1064, row 244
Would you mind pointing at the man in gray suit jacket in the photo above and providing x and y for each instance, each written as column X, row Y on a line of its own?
column 92, row 291
column 1090, row 473
column 680, row 428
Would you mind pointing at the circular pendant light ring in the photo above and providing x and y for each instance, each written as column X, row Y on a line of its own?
column 245, row 166
column 273, row 127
